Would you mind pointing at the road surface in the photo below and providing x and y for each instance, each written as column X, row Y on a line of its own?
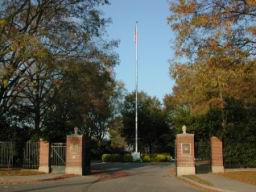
column 113, row 177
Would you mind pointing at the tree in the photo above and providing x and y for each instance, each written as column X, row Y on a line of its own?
column 216, row 44
column 153, row 131
column 56, row 69
column 39, row 40
column 115, row 134
column 215, row 72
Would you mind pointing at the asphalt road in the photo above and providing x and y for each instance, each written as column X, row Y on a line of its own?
column 115, row 177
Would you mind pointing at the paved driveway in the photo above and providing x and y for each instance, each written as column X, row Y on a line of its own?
column 115, row 177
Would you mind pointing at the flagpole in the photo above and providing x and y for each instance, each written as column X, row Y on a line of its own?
column 136, row 90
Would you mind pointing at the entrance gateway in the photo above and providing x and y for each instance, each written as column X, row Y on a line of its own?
column 61, row 157
column 185, row 154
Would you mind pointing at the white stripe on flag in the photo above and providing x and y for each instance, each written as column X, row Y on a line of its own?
column 136, row 36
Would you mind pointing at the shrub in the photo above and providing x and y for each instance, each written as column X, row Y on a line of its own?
column 146, row 158
column 106, row 158
column 160, row 157
column 115, row 158
column 127, row 158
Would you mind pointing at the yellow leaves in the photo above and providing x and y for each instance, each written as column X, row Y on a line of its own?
column 201, row 20
column 4, row 83
column 203, row 85
column 28, row 46
column 3, row 22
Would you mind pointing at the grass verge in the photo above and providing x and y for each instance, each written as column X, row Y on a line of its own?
column 243, row 176
column 199, row 180
column 19, row 172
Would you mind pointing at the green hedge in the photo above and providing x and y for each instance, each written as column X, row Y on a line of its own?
column 157, row 157
column 127, row 158
column 111, row 158
column 146, row 158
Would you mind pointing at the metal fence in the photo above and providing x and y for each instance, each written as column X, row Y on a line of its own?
column 31, row 155
column 58, row 154
column 25, row 155
column 7, row 151
column 202, row 157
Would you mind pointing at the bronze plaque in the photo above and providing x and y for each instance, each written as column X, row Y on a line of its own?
column 185, row 148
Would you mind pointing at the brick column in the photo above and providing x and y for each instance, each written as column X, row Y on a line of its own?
column 75, row 155
column 185, row 154
column 44, row 156
column 217, row 155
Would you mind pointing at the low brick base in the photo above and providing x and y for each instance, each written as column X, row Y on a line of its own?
column 74, row 170
column 185, row 171
column 217, row 169
column 44, row 169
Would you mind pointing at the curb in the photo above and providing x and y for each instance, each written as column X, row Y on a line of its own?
column 203, row 186
column 33, row 181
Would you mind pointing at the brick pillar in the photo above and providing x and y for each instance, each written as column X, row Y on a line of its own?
column 217, row 155
column 75, row 155
column 185, row 154
column 44, row 156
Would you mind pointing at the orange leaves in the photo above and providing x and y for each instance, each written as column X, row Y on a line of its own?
column 251, row 2
column 184, row 7
column 252, row 30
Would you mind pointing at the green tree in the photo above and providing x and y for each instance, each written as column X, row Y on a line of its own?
column 153, row 130
column 39, row 40
column 115, row 134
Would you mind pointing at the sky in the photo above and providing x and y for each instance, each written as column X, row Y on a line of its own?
column 155, row 40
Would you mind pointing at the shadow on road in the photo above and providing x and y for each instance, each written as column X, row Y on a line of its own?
column 115, row 167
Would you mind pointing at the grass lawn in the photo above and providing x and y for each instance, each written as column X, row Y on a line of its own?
column 18, row 172
column 243, row 176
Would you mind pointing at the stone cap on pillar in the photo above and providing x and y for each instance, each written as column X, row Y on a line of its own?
column 75, row 134
column 187, row 134
column 184, row 132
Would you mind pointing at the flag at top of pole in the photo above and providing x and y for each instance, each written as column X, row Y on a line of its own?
column 136, row 42
column 136, row 34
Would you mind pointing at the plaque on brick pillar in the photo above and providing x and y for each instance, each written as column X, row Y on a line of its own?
column 217, row 155
column 44, row 152
column 185, row 153
column 75, row 154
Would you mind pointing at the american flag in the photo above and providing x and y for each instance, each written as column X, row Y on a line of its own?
column 136, row 35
